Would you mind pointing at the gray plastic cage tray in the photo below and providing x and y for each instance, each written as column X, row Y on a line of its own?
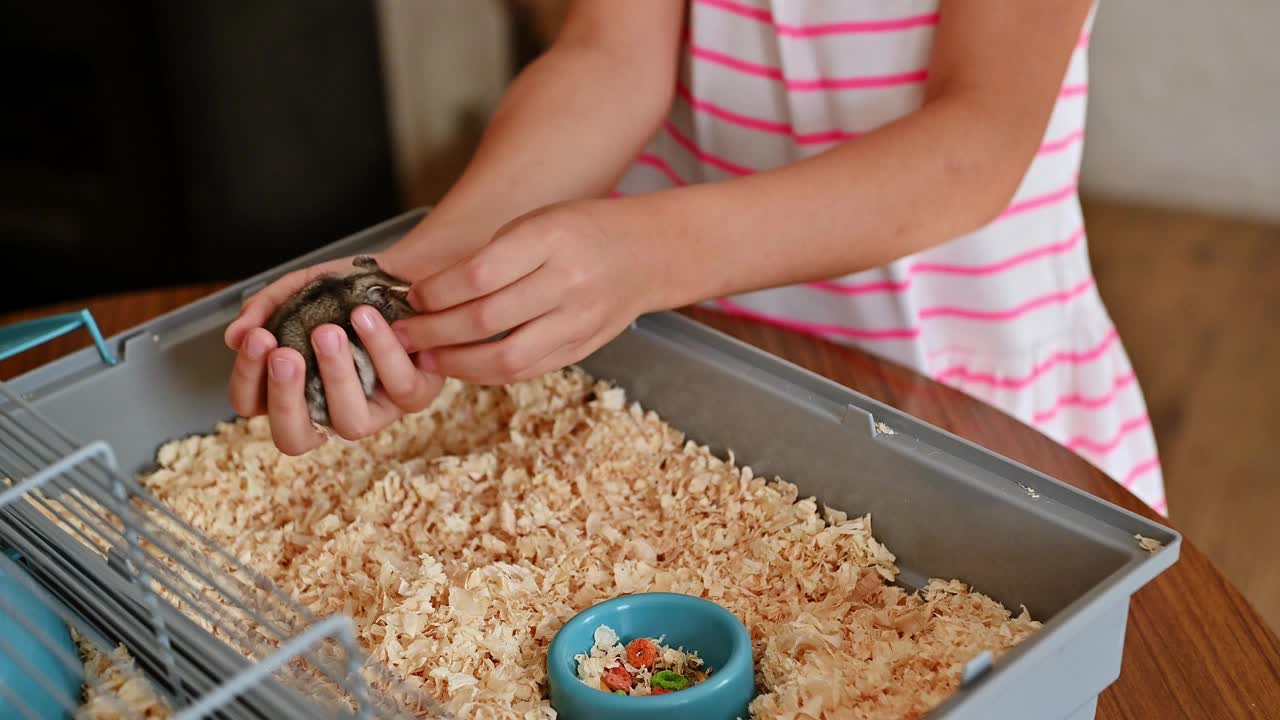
column 946, row 507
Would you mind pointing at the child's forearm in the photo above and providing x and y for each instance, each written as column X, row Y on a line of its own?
column 932, row 176
column 566, row 130
column 570, row 122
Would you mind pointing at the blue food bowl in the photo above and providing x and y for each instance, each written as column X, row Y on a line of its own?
column 35, row 654
column 697, row 625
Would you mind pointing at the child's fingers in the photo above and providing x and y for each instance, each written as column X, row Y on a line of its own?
column 502, row 361
column 291, row 427
column 563, row 357
column 233, row 336
column 402, row 382
column 348, row 406
column 257, row 309
column 247, row 388
column 383, row 410
column 529, row 297
column 496, row 266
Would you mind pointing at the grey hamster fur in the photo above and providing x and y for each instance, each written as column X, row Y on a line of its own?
column 330, row 299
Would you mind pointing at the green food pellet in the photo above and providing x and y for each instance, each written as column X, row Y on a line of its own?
column 620, row 692
column 668, row 680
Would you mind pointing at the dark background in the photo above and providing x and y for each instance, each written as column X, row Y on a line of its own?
column 151, row 143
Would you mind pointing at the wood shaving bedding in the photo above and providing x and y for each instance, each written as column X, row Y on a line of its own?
column 114, row 688
column 461, row 538
column 1148, row 544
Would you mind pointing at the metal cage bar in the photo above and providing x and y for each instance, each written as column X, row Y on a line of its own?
column 62, row 494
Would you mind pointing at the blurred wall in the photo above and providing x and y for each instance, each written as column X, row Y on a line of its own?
column 445, row 65
column 1184, row 106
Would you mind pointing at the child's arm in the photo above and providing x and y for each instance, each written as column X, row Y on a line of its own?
column 572, row 276
column 934, row 175
column 566, row 128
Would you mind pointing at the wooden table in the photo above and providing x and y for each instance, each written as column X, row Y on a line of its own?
column 1194, row 647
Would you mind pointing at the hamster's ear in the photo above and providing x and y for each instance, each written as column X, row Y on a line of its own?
column 366, row 262
column 376, row 294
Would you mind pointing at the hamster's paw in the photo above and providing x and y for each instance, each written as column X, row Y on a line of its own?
column 364, row 369
column 317, row 406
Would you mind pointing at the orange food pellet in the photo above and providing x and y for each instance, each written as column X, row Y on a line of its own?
column 617, row 678
column 641, row 653
column 660, row 691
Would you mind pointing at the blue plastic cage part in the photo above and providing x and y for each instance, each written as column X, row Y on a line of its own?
column 23, row 336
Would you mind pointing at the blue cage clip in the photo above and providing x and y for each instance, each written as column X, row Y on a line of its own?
column 23, row 336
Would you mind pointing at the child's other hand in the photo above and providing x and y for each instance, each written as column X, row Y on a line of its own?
column 270, row 379
column 561, row 279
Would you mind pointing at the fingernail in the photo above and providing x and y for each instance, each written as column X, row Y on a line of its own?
column 363, row 318
column 425, row 362
column 255, row 346
column 281, row 369
column 327, row 342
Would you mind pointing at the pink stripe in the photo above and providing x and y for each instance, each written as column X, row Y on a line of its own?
column 1058, row 298
column 1139, row 470
column 1099, row 447
column 1083, row 42
column 773, row 73
column 823, row 137
column 869, row 26
column 745, row 11
column 1062, row 143
column 864, row 26
column 817, row 328
column 1015, row 383
column 913, row 77
column 858, row 83
column 661, row 165
column 734, row 63
column 1160, row 506
column 1035, row 203
column 832, row 286
column 925, row 314
column 948, row 269
column 1056, row 248
column 703, row 155
column 615, row 194
column 733, row 117
column 1094, row 402
column 769, row 126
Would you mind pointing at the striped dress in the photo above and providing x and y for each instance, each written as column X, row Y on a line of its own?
column 1008, row 314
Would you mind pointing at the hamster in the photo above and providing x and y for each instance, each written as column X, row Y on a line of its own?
column 330, row 299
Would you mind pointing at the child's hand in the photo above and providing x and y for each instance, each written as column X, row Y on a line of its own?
column 564, row 278
column 269, row 379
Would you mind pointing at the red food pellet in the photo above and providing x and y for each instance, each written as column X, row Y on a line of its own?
column 660, row 691
column 617, row 678
column 641, row 653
